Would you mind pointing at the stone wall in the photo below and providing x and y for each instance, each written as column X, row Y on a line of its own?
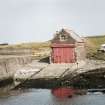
column 15, row 51
column 9, row 65
column 80, row 51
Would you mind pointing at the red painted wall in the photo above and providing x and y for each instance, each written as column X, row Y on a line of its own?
column 63, row 54
column 63, row 92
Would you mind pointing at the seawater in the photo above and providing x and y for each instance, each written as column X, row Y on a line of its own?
column 45, row 97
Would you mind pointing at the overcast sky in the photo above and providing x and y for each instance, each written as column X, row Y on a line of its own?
column 38, row 20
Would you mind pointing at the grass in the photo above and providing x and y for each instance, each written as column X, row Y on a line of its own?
column 33, row 45
column 36, row 49
column 92, row 46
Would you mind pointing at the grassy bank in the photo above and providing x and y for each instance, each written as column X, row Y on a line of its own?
column 36, row 49
column 92, row 46
column 31, row 45
column 42, row 49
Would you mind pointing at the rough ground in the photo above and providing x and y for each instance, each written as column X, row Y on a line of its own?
column 38, row 70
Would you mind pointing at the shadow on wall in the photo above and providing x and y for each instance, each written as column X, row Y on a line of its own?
column 46, row 60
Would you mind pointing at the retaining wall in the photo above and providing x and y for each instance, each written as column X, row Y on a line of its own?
column 9, row 65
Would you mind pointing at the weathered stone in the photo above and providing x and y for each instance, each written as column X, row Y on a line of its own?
column 9, row 65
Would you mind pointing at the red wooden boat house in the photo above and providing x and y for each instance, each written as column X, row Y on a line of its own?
column 67, row 47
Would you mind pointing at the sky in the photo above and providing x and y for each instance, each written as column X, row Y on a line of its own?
column 38, row 20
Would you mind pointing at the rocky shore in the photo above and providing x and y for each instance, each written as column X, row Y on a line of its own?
column 23, row 71
column 9, row 65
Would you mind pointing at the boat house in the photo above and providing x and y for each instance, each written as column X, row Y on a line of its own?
column 67, row 47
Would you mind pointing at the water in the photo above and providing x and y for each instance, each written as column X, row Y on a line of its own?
column 44, row 97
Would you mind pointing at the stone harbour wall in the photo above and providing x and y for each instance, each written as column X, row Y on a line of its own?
column 9, row 65
column 15, row 51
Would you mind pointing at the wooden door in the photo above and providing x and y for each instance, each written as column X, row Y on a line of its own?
column 63, row 55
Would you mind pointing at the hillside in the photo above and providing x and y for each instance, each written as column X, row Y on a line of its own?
column 92, row 45
column 31, row 45
column 37, row 49
column 42, row 49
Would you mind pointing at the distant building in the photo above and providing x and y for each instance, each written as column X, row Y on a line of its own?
column 67, row 47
